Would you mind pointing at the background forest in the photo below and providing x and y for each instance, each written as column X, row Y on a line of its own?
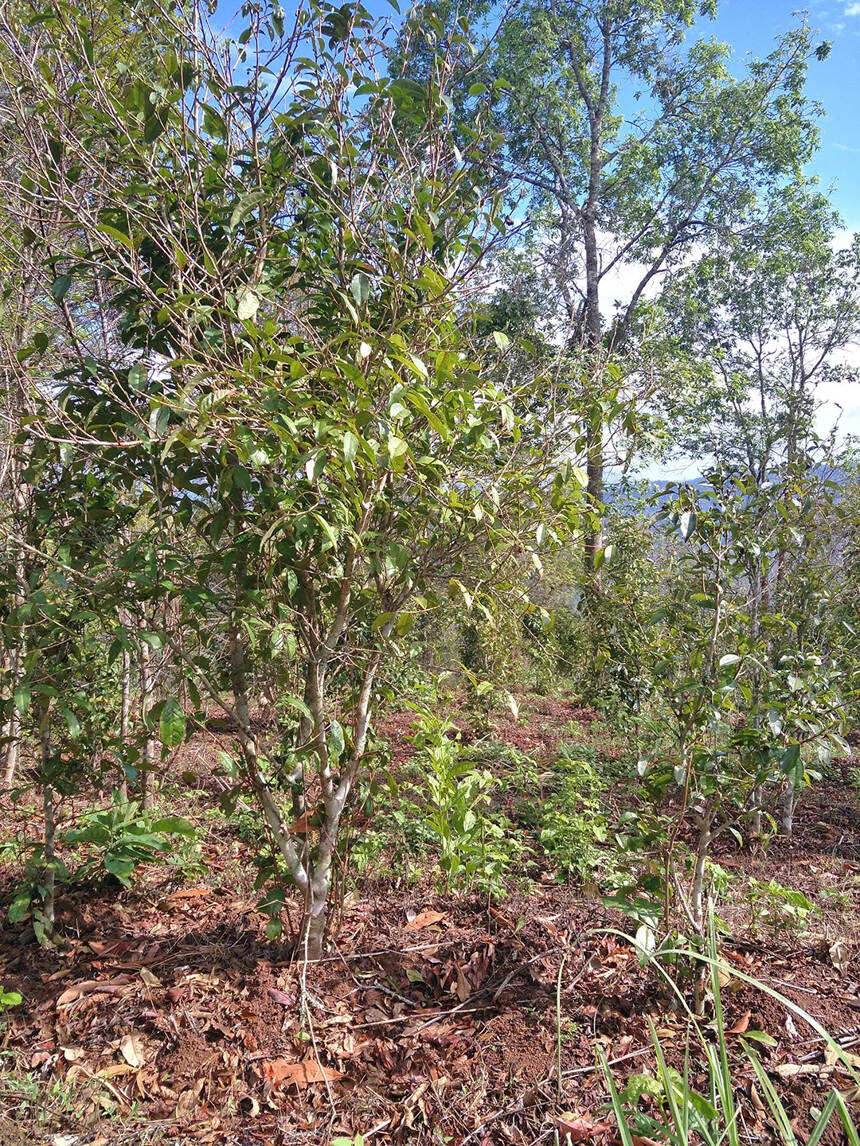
column 346, row 610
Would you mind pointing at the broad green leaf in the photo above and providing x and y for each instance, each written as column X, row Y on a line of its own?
column 60, row 287
column 360, row 288
column 171, row 724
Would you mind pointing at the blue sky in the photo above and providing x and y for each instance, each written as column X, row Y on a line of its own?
column 752, row 26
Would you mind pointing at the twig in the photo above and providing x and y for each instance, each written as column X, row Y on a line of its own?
column 558, row 1021
column 612, row 1062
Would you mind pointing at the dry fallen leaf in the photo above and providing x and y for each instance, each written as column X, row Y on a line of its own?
column 792, row 1069
column 188, row 893
column 300, row 826
column 464, row 991
column 740, row 1027
column 149, row 978
column 579, row 1129
column 278, row 1072
column 132, row 1050
column 425, row 919
column 839, row 955
column 281, row 997
column 90, row 987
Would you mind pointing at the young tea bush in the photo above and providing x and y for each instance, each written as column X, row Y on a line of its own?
column 476, row 849
column 571, row 821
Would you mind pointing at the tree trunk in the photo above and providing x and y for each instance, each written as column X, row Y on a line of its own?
column 697, row 901
column 49, row 824
column 147, row 776
column 12, row 727
column 124, row 715
column 755, row 807
column 12, row 730
column 789, row 803
column 703, row 844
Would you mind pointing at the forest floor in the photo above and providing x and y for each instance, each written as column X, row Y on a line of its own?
column 166, row 1016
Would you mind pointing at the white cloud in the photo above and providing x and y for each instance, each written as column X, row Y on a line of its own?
column 853, row 10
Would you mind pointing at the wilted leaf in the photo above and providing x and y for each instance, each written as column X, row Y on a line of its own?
column 425, row 919
column 740, row 1027
column 839, row 955
column 248, row 305
column 131, row 1048
column 279, row 1072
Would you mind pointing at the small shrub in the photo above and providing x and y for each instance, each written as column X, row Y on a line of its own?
column 123, row 837
column 475, row 849
column 778, row 908
column 571, row 822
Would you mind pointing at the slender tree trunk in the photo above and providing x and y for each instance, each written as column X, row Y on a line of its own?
column 12, row 730
column 703, row 844
column 278, row 828
column 49, row 823
column 314, row 924
column 124, row 716
column 697, row 901
column 147, row 772
column 789, row 803
column 12, row 727
column 755, row 810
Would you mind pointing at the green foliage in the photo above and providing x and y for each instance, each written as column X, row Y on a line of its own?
column 476, row 848
column 571, row 819
column 9, row 999
column 778, row 908
column 122, row 837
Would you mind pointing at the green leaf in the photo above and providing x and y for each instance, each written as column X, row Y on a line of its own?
column 175, row 825
column 116, row 233
column 501, row 339
column 21, row 698
column 171, row 724
column 729, row 659
column 72, row 723
column 350, row 445
column 60, row 287
column 120, row 866
column 360, row 288
column 687, row 524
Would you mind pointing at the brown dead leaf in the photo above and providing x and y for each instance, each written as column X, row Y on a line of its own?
column 188, row 893
column 281, row 997
column 792, row 1069
column 833, row 1055
column 464, row 991
column 149, row 978
column 740, row 1027
column 131, row 1048
column 90, row 987
column 299, row 827
column 839, row 955
column 580, row 1129
column 425, row 919
column 279, row 1072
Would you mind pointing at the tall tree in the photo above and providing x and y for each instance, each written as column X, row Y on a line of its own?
column 636, row 149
